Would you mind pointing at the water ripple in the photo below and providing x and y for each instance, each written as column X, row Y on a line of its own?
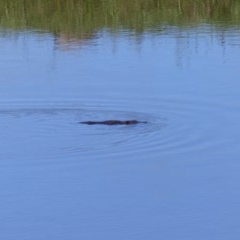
column 52, row 131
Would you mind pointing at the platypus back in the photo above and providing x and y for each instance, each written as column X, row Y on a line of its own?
column 113, row 122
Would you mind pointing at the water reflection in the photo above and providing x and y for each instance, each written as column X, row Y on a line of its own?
column 75, row 24
column 67, row 43
column 80, row 19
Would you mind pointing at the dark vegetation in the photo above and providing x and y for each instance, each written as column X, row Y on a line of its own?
column 80, row 18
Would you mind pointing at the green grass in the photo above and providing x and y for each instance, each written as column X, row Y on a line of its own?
column 82, row 17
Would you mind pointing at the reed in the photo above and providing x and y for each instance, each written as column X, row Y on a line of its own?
column 78, row 17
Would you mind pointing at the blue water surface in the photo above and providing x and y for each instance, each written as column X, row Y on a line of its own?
column 176, row 177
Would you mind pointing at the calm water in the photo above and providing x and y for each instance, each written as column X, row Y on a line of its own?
column 176, row 177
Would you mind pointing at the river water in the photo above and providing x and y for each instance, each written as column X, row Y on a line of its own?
column 175, row 177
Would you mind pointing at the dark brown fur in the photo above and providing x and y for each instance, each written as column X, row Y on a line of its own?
column 113, row 122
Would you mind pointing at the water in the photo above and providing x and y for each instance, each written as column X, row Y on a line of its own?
column 176, row 177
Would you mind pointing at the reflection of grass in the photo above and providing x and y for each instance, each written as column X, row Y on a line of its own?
column 77, row 17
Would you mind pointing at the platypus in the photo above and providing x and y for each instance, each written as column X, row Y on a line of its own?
column 113, row 122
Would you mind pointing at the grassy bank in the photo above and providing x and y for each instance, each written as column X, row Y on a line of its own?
column 77, row 17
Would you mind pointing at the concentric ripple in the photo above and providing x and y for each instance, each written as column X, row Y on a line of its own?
column 52, row 130
column 48, row 132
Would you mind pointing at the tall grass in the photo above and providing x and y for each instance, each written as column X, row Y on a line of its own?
column 77, row 17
